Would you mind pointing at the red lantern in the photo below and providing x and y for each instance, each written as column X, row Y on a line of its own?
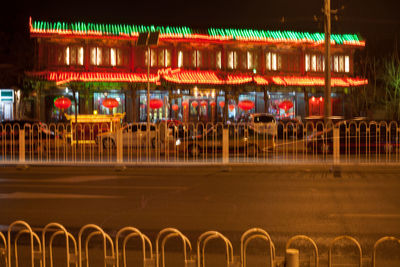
column 203, row 103
column 195, row 104
column 156, row 103
column 62, row 103
column 110, row 103
column 185, row 104
column 286, row 105
column 246, row 104
column 212, row 104
column 221, row 104
column 175, row 107
column 231, row 107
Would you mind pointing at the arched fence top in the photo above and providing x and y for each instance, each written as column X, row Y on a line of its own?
column 346, row 237
column 164, row 235
column 380, row 241
column 310, row 240
column 207, row 236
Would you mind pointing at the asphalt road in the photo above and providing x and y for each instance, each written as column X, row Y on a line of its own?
column 361, row 201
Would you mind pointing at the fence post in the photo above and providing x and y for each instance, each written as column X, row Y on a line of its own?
column 336, row 145
column 22, row 145
column 225, row 145
column 292, row 258
column 119, row 146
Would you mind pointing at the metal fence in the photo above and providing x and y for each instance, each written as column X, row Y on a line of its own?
column 344, row 141
column 83, row 249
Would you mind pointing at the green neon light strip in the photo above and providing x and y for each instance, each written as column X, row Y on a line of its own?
column 236, row 34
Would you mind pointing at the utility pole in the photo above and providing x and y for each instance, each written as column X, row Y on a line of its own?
column 327, row 26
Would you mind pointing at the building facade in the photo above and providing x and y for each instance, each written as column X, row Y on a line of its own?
column 195, row 75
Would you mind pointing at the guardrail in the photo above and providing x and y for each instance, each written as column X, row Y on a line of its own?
column 135, row 143
column 109, row 254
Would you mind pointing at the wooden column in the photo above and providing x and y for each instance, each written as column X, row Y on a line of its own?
column 306, row 106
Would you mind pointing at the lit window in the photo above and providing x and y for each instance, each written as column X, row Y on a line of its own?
column 153, row 58
column 98, row 58
column 113, row 57
column 219, row 60
column 274, row 62
column 268, row 60
column 341, row 63
column 347, row 64
column 95, row 56
column 80, row 56
column 232, row 60
column 313, row 62
column 67, row 55
column 250, row 60
column 164, row 58
column 336, row 64
column 180, row 59
column 196, row 59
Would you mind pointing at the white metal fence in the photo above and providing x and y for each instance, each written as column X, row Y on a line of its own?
column 345, row 141
column 54, row 245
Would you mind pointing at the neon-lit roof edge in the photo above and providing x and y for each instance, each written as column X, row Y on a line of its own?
column 171, row 76
column 83, row 29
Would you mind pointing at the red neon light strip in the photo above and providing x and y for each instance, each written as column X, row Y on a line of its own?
column 193, row 77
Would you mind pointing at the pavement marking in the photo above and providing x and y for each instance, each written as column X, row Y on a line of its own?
column 27, row 195
column 70, row 179
column 366, row 215
column 119, row 187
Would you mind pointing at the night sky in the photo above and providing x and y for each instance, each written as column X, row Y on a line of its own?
column 376, row 20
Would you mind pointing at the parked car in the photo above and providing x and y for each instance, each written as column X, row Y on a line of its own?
column 242, row 139
column 38, row 137
column 353, row 141
column 263, row 123
column 133, row 135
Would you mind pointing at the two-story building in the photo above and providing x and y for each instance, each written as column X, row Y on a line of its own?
column 196, row 75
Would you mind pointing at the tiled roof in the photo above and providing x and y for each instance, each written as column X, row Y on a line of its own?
column 211, row 34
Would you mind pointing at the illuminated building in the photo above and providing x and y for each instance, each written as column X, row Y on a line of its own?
column 190, row 70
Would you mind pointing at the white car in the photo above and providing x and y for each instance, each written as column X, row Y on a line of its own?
column 133, row 135
column 263, row 123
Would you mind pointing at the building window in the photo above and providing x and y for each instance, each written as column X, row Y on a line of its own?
column 251, row 60
column 113, row 57
column 153, row 57
column 336, row 64
column 196, row 58
column 164, row 58
column 67, row 55
column 96, row 56
column 73, row 55
column 273, row 61
column 232, row 60
column 180, row 59
column 218, row 60
column 346, row 64
column 316, row 62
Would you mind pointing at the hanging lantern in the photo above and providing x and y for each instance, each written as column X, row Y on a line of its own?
column 203, row 103
column 156, row 103
column 62, row 103
column 212, row 104
column 246, row 104
column 195, row 104
column 285, row 105
column 110, row 103
column 221, row 104
column 185, row 104
column 175, row 107
column 231, row 107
